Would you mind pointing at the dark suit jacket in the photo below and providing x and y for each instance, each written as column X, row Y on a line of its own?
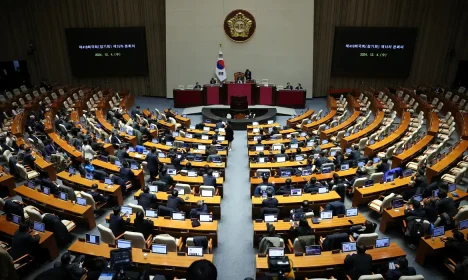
column 28, row 160
column 270, row 202
column 153, row 162
column 126, row 174
column 144, row 226
column 117, row 224
column 147, row 200
column 50, row 149
column 174, row 202
column 446, row 205
column 167, row 179
column 209, row 181
column 357, row 265
column 54, row 224
column 23, row 243
column 11, row 207
column 115, row 140
column 354, row 155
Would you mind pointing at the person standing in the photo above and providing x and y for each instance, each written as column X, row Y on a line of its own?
column 229, row 135
column 153, row 164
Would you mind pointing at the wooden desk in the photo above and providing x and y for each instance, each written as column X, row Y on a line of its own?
column 367, row 194
column 250, row 135
column 391, row 216
column 185, row 122
column 169, row 264
column 407, row 155
column 46, row 241
column 325, row 134
column 276, row 165
column 74, row 117
column 330, row 264
column 346, row 141
column 427, row 247
column 293, row 121
column 195, row 164
column 434, row 124
column 213, row 203
column 65, row 146
column 17, row 126
column 323, row 120
column 390, row 139
column 40, row 162
column 114, row 191
column 304, row 150
column 7, row 184
column 250, row 127
column 199, row 141
column 182, row 229
column 48, row 203
column 168, row 125
column 112, row 168
column 448, row 161
column 287, row 203
column 199, row 131
column 277, row 141
column 109, row 128
column 324, row 228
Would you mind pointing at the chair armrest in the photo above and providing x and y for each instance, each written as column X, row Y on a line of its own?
column 451, row 262
column 351, row 238
column 381, row 196
column 290, row 246
column 321, row 209
column 181, row 243
column 348, row 278
column 149, row 240
column 210, row 245
column 120, row 236
column 321, row 240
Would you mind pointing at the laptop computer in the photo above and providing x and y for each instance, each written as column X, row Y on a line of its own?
column 344, row 167
column 313, row 250
column 417, row 197
column 286, row 173
column 463, row 224
column 382, row 242
column 63, row 196
column 176, row 216
column 376, row 160
column 275, row 252
column 397, row 203
column 294, row 146
column 39, row 227
column 159, row 248
column 270, row 218
column 326, row 170
column 172, row 171
column 118, row 163
column 435, row 193
column 194, row 251
column 306, row 172
column 206, row 193
column 134, row 166
column 296, row 192
column 46, row 190
column 31, row 185
column 89, row 176
column 348, row 247
column 15, row 219
column 323, row 190
column 71, row 170
column 92, row 239
column 206, row 218
column 201, row 147
column 351, row 212
column 126, row 210
column 81, row 201
column 326, row 215
column 280, row 159
column 299, row 157
column 438, row 231
column 192, row 174
column 259, row 148
column 122, row 244
column 151, row 213
column 108, row 181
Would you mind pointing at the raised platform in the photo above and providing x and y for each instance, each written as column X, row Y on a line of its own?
column 279, row 110
column 218, row 113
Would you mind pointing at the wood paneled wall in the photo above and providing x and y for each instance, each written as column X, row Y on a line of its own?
column 43, row 23
column 442, row 27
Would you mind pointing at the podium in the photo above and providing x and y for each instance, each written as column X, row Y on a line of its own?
column 290, row 98
column 264, row 95
column 212, row 94
column 184, row 98
column 239, row 90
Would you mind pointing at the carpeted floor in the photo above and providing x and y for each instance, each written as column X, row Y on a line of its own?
column 235, row 256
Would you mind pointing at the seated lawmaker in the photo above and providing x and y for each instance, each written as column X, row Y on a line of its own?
column 446, row 204
column 174, row 201
column 286, row 189
column 98, row 197
column 197, row 86
column 288, row 86
column 209, row 179
column 299, row 86
column 147, row 200
column 358, row 264
column 117, row 222
column 457, row 246
column 270, row 201
column 201, row 208
column 301, row 229
column 401, row 269
column 166, row 178
column 264, row 186
column 413, row 208
column 23, row 242
column 142, row 225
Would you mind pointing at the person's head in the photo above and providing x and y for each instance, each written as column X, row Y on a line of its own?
column 214, row 142
column 123, row 148
column 356, row 147
column 126, row 164
column 202, row 270
column 23, row 227
column 293, row 136
column 368, row 224
column 322, row 154
column 402, row 262
column 21, row 147
column 85, row 142
column 270, row 229
column 259, row 141
column 65, row 259
column 370, row 162
column 94, row 187
column 313, row 180
column 146, row 189
column 336, row 177
column 175, row 193
column 442, row 193
column 305, row 204
column 288, row 182
column 384, row 160
column 140, row 215
column 283, row 150
column 416, row 204
column 458, row 236
column 299, row 84
column 265, row 179
column 163, row 171
column 361, row 249
column 196, row 83
column 269, row 193
column 210, row 172
column 116, row 210
column 188, row 165
column 261, row 154
column 288, row 84
column 153, row 150
column 199, row 204
column 299, row 151
column 303, row 223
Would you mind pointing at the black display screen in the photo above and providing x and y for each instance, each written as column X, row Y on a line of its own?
column 103, row 52
column 373, row 51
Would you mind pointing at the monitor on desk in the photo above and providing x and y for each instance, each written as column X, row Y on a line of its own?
column 92, row 239
column 81, row 201
column 435, row 193
column 285, row 173
column 46, row 190
column 324, row 142
column 89, row 176
column 463, row 224
column 275, row 252
column 192, row 126
column 118, row 163
column 270, row 218
column 280, row 159
column 417, row 198
column 306, row 172
column 326, row 215
column 221, row 138
column 120, row 258
column 376, row 160
column 159, row 249
column 361, row 163
column 178, row 216
column 332, row 153
column 323, row 190
column 206, row 128
column 313, row 250
column 216, row 174
column 40, row 227
column 206, row 218
column 15, row 219
column 180, row 191
column 161, row 155
column 348, row 150
column 104, row 158
column 192, row 173
column 189, row 135
column 452, row 187
column 407, row 173
column 310, row 144
column 153, row 188
column 326, row 170
column 108, row 181
column 175, row 133
column 206, row 193
column 134, row 166
column 397, row 203
column 294, row 146
column 31, row 185
column 155, row 141
column 299, row 157
column 344, row 167
column 382, row 242
column 369, row 183
column 71, row 170
column 205, row 137
column 131, row 149
column 438, row 231
column 151, row 213
column 348, row 247
column 389, row 178
column 126, row 210
column 194, row 251
column 259, row 148
column 201, row 147
column 351, row 212
column 255, row 130
column 63, row 196
column 296, row 192
column 270, row 122
column 123, row 244
column 171, row 171
column 168, row 143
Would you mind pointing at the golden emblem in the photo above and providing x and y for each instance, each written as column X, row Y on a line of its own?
column 239, row 25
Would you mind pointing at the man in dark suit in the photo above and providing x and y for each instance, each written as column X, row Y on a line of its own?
column 14, row 207
column 145, row 131
column 288, row 86
column 126, row 173
column 414, row 209
column 270, row 201
column 446, row 204
column 383, row 166
column 115, row 140
column 122, row 153
column 322, row 159
column 98, row 197
column 358, row 264
column 166, row 178
column 28, row 158
column 153, row 164
column 197, row 86
column 173, row 201
column 209, row 179
column 401, row 269
column 286, row 189
column 312, row 186
column 264, row 186
column 147, row 199
column 116, row 222
column 355, row 154
column 248, row 75
column 299, row 86
column 212, row 81
column 201, row 208
column 136, row 111
column 23, row 242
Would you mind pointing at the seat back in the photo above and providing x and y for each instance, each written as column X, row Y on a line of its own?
column 106, row 234
column 89, row 199
column 136, row 208
column 185, row 187
column 137, row 239
column 169, row 241
column 387, row 202
column 34, row 215
column 22, row 171
column 461, row 215
column 359, row 182
column 377, row 177
column 208, row 188
column 172, row 120
column 363, row 143
column 372, row 277
column 413, row 277
column 367, row 239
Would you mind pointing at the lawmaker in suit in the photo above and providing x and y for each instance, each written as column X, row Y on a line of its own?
column 23, row 242
column 289, row 86
column 116, row 222
column 212, row 81
column 115, row 140
column 28, row 158
column 358, row 264
column 153, row 164
column 142, row 225
column 270, row 201
column 209, row 179
column 147, row 200
column 248, row 75
column 126, row 173
column 197, row 86
column 401, row 269
column 299, row 87
column 355, row 154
